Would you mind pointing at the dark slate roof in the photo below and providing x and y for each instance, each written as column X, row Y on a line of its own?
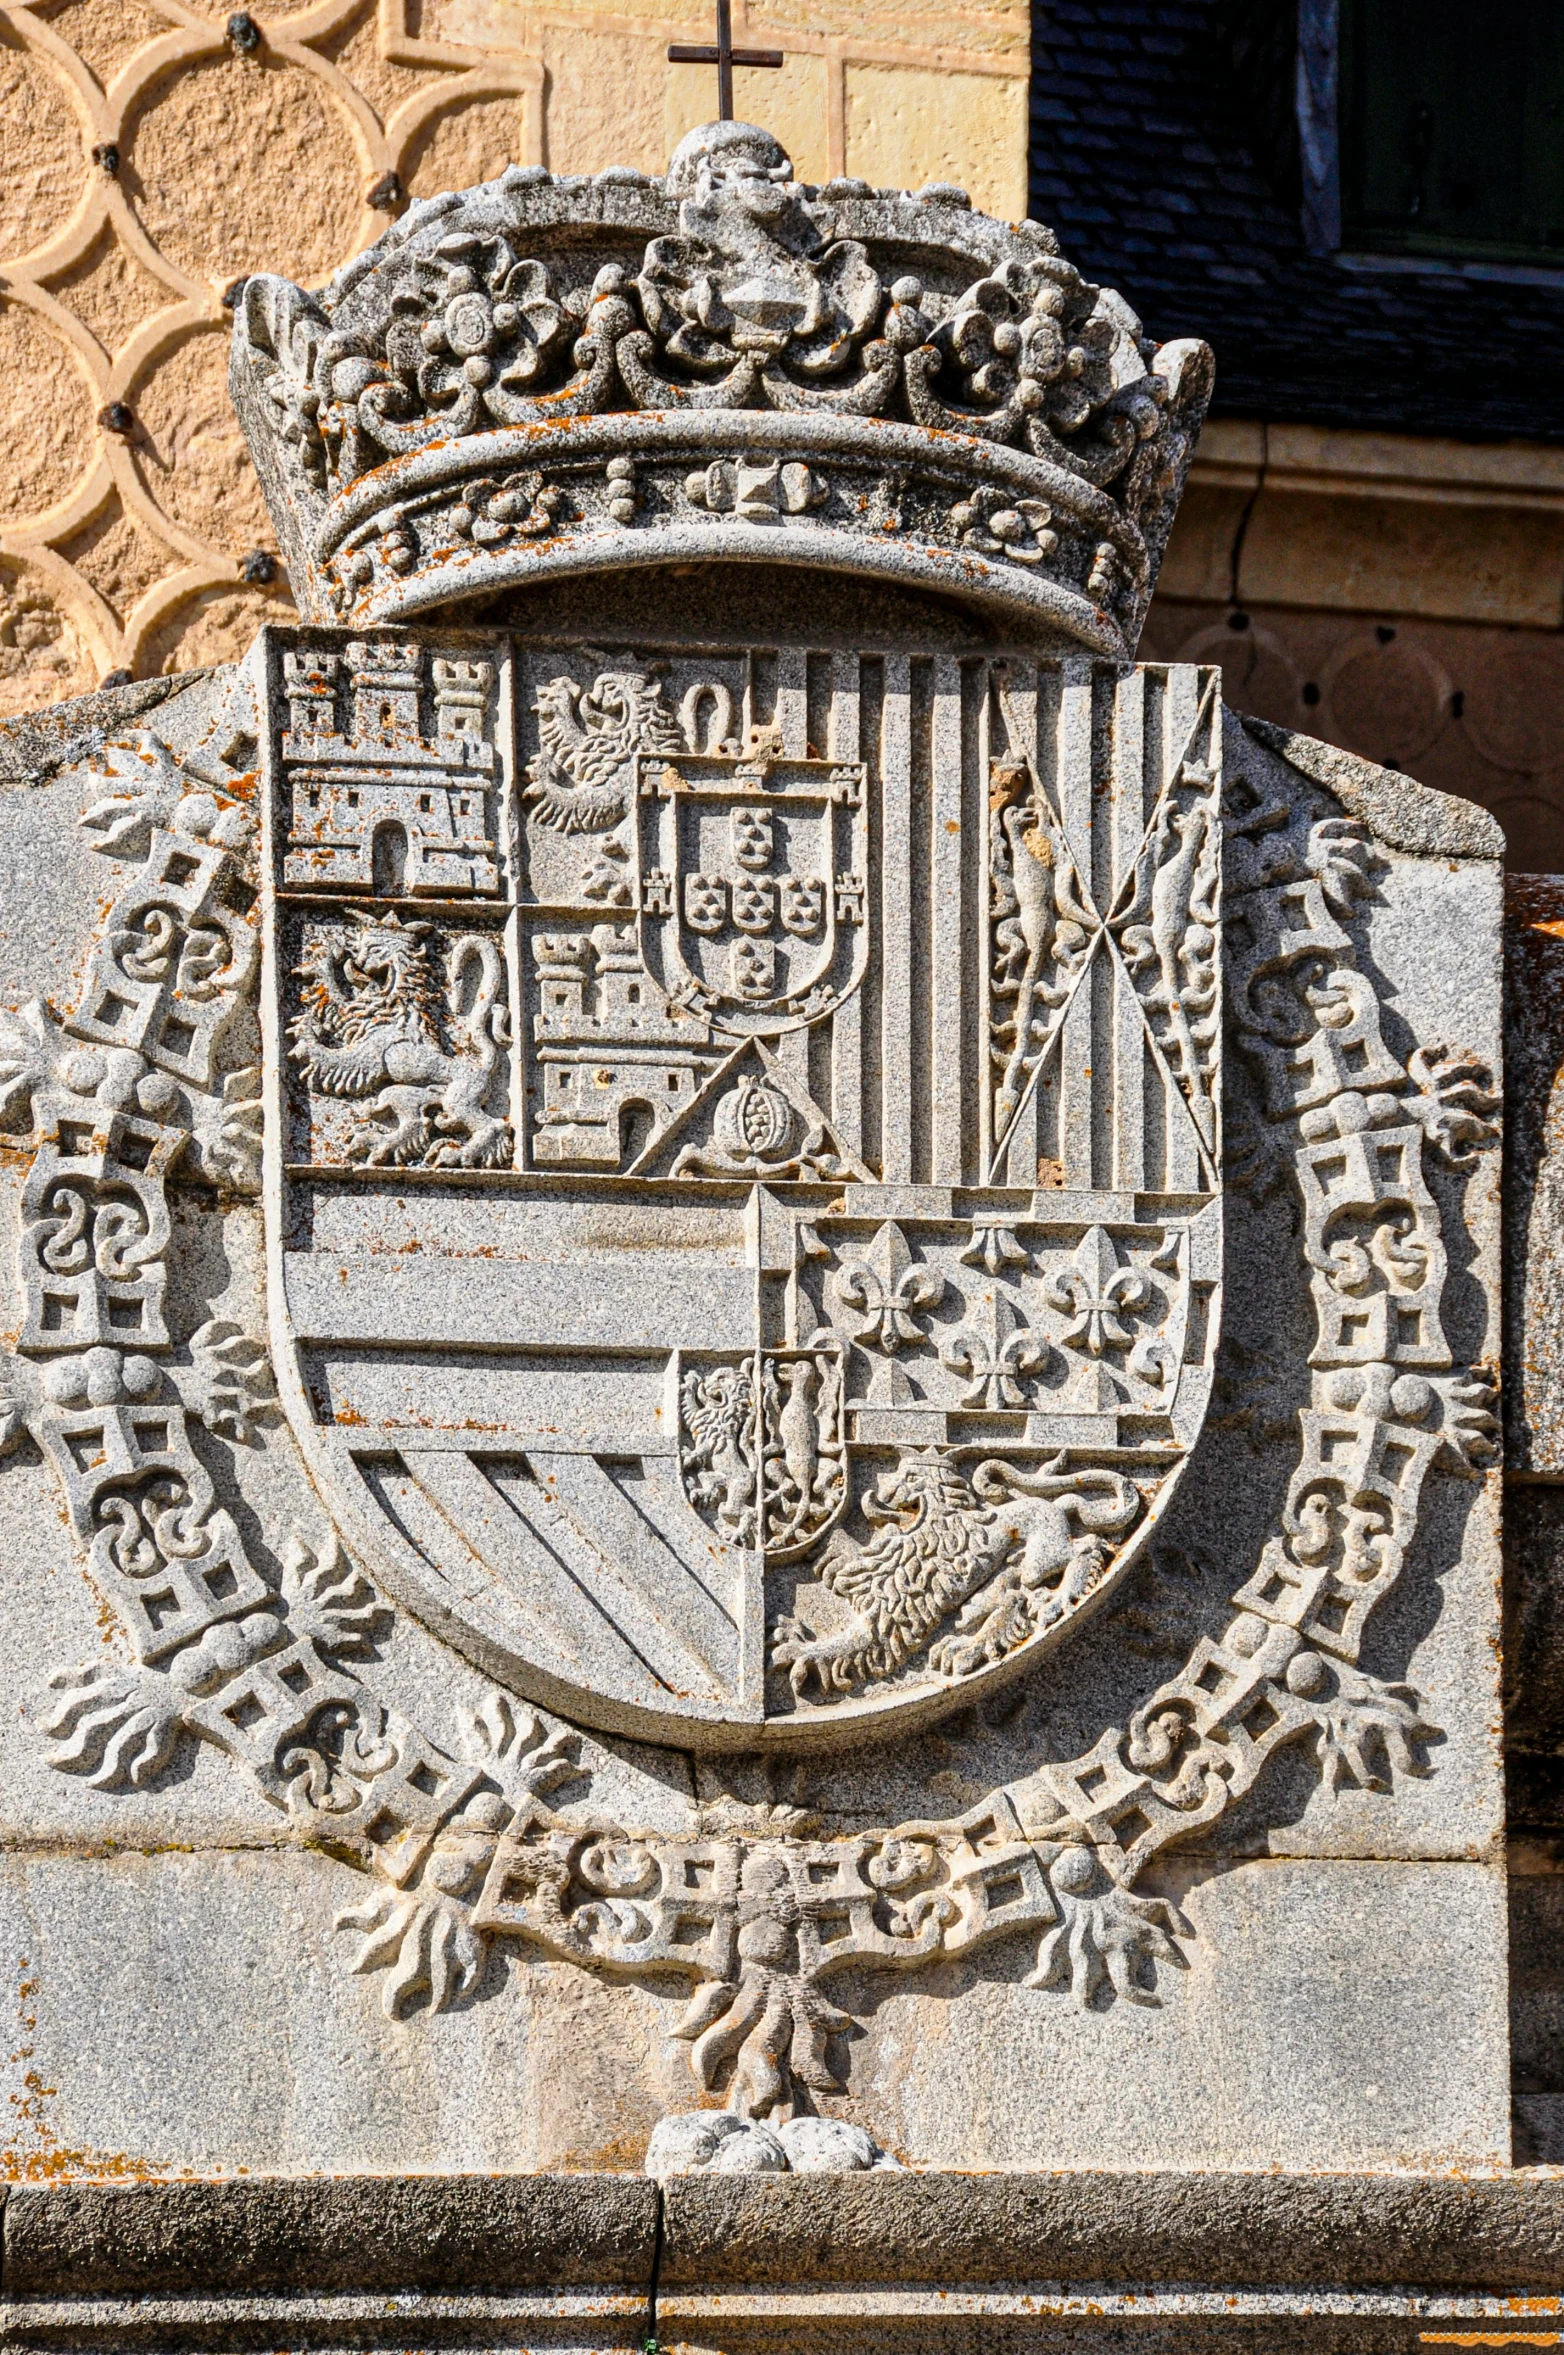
column 1164, row 177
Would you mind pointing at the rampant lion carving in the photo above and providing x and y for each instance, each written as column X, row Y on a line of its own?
column 372, row 1027
column 721, row 1466
column 581, row 778
column 999, row 1550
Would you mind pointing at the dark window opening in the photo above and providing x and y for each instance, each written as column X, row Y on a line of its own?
column 1452, row 129
column 388, row 861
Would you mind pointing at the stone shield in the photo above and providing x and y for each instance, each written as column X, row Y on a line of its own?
column 744, row 1153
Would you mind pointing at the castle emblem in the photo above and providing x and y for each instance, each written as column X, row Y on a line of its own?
column 373, row 799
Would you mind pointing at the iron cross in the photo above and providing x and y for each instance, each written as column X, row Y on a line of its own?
column 723, row 56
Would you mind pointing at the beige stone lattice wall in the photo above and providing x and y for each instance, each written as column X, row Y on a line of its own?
column 146, row 162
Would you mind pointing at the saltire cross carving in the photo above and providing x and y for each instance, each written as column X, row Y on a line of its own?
column 1110, row 932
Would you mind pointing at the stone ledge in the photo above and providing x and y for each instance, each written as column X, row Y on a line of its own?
column 578, row 2323
column 1401, row 813
column 326, row 2235
column 1169, row 2236
column 1037, row 2320
column 1241, row 452
column 1339, row 2232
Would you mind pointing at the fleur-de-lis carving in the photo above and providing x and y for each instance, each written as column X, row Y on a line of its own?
column 891, row 1289
column 1096, row 1294
column 993, row 1248
column 998, row 1353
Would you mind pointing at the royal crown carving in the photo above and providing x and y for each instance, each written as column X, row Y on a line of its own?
column 773, row 1301
column 548, row 375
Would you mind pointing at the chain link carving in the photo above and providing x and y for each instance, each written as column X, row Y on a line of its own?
column 1351, row 1124
column 460, row 1842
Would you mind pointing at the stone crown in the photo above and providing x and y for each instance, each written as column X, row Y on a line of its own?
column 543, row 376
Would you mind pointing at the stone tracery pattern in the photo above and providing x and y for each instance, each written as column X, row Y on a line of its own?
column 136, row 543
column 460, row 1841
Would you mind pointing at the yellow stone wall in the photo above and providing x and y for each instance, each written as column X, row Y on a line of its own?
column 1395, row 593
column 145, row 163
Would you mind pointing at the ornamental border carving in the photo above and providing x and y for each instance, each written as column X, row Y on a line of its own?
column 134, row 1091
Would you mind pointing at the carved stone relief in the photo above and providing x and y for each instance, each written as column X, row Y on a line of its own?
column 1036, row 437
column 963, row 1406
column 908, row 1362
column 757, row 1135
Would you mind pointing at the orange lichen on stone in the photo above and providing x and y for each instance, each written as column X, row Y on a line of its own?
column 33, row 2153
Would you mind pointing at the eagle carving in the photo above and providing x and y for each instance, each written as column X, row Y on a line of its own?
column 1009, row 1552
column 581, row 778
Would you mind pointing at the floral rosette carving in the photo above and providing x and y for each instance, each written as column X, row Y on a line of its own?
column 456, row 343
column 754, row 303
column 726, row 287
column 1036, row 355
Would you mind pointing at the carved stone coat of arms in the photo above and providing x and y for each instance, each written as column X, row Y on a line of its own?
column 759, row 1272
column 744, row 1154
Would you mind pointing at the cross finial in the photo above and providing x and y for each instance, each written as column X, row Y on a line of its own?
column 723, row 56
